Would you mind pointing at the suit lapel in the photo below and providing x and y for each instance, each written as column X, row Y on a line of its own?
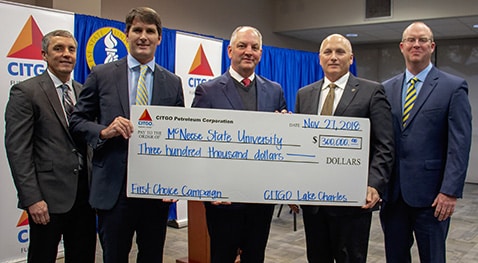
column 395, row 99
column 49, row 88
column 229, row 89
column 314, row 97
column 350, row 90
column 120, row 74
column 396, row 95
column 77, row 89
column 261, row 93
column 158, row 83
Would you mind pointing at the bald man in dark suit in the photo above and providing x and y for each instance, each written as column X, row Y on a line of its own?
column 340, row 234
column 433, row 146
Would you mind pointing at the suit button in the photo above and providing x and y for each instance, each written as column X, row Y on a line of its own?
column 75, row 171
column 73, row 151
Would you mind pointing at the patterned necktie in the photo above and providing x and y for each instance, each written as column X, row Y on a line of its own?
column 67, row 101
column 142, row 91
column 409, row 100
column 246, row 82
column 328, row 106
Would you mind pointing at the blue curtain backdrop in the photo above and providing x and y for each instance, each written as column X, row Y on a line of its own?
column 291, row 68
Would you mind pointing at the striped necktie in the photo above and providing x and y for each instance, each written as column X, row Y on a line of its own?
column 409, row 100
column 142, row 91
column 67, row 101
column 328, row 106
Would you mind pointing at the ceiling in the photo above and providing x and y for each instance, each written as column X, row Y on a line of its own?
column 445, row 28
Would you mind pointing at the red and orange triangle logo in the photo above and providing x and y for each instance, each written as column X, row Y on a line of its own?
column 200, row 64
column 28, row 43
column 23, row 220
column 145, row 116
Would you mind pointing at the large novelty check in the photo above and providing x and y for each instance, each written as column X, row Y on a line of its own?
column 247, row 156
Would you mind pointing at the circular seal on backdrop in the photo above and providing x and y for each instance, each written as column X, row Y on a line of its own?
column 105, row 45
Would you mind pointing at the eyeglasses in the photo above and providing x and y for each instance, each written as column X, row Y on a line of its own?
column 412, row 40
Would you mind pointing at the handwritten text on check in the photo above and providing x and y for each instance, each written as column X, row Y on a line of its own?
column 247, row 156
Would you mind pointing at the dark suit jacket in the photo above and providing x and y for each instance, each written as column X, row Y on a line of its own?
column 432, row 151
column 42, row 155
column 221, row 93
column 365, row 99
column 106, row 96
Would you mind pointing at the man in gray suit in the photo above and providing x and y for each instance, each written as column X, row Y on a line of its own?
column 48, row 168
column 102, row 119
column 342, row 233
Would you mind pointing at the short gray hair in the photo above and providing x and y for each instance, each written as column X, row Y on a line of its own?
column 45, row 42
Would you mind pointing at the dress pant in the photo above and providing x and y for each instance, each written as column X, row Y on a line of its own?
column 78, row 228
column 400, row 222
column 117, row 226
column 238, row 226
column 337, row 238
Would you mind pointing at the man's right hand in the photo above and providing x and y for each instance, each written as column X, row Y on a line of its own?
column 39, row 212
column 119, row 127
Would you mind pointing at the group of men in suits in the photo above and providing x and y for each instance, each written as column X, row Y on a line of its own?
column 417, row 168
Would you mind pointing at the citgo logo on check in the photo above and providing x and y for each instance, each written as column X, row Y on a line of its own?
column 145, row 119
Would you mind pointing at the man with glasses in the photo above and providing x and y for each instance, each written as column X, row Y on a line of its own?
column 432, row 126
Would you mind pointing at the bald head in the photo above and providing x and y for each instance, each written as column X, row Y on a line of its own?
column 418, row 26
column 417, row 46
column 338, row 38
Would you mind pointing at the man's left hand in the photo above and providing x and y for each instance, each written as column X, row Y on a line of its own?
column 372, row 198
column 444, row 206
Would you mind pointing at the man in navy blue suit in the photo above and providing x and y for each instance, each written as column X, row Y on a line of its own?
column 102, row 117
column 240, row 226
column 432, row 125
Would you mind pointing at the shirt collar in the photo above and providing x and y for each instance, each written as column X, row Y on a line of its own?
column 133, row 63
column 57, row 82
column 238, row 77
column 421, row 76
column 341, row 82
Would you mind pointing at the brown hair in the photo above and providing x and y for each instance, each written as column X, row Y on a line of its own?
column 146, row 15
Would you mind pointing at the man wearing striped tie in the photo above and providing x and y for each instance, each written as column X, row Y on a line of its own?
column 48, row 167
column 102, row 119
column 432, row 126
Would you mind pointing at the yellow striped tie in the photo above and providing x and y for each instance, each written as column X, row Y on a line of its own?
column 409, row 100
column 142, row 91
